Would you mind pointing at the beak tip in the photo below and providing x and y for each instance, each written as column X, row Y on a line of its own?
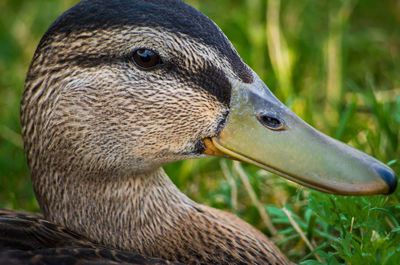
column 389, row 177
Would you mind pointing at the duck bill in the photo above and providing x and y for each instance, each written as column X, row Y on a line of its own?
column 261, row 131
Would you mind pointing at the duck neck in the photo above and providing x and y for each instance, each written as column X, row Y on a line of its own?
column 128, row 212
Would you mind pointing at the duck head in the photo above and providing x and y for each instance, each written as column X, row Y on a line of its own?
column 121, row 87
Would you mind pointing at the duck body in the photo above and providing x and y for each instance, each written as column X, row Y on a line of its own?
column 186, row 232
column 117, row 89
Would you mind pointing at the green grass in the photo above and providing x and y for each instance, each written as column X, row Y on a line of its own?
column 335, row 63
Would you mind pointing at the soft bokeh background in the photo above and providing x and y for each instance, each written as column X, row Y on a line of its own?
column 335, row 63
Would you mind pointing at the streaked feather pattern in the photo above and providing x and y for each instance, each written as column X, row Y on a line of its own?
column 97, row 131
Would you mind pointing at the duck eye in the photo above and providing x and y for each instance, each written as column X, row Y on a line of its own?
column 146, row 59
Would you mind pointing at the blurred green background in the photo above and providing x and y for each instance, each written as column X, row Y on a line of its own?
column 335, row 63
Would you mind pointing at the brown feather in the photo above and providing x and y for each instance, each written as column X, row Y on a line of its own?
column 97, row 130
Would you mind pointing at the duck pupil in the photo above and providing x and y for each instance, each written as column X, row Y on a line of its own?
column 145, row 55
column 146, row 59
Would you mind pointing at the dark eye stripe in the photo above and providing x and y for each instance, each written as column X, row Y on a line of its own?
column 146, row 59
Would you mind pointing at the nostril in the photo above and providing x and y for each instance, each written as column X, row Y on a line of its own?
column 270, row 122
column 389, row 177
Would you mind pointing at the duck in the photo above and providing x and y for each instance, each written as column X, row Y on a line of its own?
column 118, row 89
